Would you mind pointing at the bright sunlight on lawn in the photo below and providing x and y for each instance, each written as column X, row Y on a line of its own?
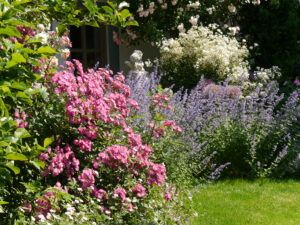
column 240, row 202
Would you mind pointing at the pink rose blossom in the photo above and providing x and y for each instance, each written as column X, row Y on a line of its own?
column 177, row 128
column 140, row 190
column 169, row 122
column 121, row 192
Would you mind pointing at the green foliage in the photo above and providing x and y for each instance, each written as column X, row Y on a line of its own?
column 275, row 27
column 22, row 55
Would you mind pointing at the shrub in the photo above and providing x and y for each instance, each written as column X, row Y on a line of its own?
column 95, row 156
column 202, row 51
column 254, row 134
column 160, row 19
column 281, row 19
column 179, row 145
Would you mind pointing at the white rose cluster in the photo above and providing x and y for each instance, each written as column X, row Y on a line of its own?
column 260, row 78
column 207, row 51
column 213, row 54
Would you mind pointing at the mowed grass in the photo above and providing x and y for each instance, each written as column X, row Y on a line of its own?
column 240, row 202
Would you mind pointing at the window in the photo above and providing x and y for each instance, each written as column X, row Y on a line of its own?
column 89, row 45
column 92, row 45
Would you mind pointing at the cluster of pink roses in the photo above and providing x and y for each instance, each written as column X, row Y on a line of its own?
column 91, row 97
column 22, row 123
column 64, row 159
column 44, row 205
column 161, row 101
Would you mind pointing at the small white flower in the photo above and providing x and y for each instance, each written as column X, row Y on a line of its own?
column 115, row 196
column 232, row 9
column 140, row 9
column 54, row 61
column 164, row 6
column 123, row 4
column 44, row 36
column 42, row 218
column 181, row 28
column 194, row 20
column 79, row 189
column 107, row 212
column 40, row 28
column 256, row 2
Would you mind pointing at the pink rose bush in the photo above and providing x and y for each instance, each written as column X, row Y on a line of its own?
column 101, row 158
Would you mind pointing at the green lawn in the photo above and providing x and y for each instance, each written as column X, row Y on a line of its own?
column 240, row 202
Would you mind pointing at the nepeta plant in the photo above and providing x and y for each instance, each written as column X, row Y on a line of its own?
column 255, row 134
column 174, row 149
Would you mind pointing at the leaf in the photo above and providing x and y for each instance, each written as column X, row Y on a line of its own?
column 10, row 31
column 16, row 156
column 33, row 40
column 37, row 163
column 8, row 14
column 17, row 58
column 5, row 175
column 15, row 169
column 3, row 109
column 131, row 23
column 3, row 203
column 22, row 133
column 20, row 2
column 27, row 50
column 22, row 95
column 48, row 141
column 18, row 86
column 30, row 187
column 125, row 13
column 61, row 29
column 108, row 9
column 46, row 50
column 89, row 5
column 4, row 144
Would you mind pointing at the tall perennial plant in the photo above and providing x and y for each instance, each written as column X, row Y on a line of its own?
column 257, row 134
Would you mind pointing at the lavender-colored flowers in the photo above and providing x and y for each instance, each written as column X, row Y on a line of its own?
column 255, row 134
